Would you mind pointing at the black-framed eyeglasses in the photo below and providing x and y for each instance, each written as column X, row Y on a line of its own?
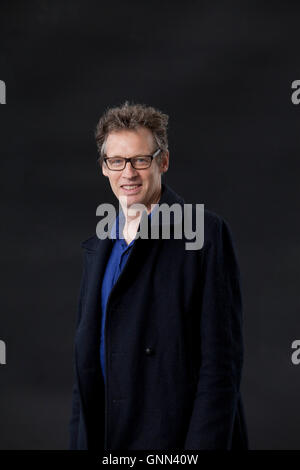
column 139, row 162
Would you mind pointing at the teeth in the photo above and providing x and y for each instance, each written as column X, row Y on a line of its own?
column 130, row 186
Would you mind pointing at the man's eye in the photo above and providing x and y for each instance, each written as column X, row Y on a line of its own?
column 141, row 159
column 116, row 161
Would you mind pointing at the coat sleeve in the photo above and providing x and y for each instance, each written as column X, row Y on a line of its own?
column 221, row 343
column 75, row 403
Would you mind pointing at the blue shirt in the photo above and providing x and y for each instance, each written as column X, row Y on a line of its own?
column 115, row 264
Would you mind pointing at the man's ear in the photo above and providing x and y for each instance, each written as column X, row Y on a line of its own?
column 164, row 164
column 104, row 169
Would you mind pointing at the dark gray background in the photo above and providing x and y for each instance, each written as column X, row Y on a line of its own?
column 223, row 72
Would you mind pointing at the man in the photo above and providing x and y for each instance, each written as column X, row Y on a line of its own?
column 158, row 348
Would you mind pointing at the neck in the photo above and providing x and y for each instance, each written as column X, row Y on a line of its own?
column 132, row 221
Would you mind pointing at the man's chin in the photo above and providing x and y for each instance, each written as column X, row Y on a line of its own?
column 128, row 202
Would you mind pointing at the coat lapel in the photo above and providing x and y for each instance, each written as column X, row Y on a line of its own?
column 96, row 262
column 88, row 336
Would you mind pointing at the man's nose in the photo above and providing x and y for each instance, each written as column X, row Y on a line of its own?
column 129, row 170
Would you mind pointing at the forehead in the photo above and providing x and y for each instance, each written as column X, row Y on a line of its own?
column 129, row 141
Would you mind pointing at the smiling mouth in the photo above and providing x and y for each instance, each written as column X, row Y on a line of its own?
column 130, row 186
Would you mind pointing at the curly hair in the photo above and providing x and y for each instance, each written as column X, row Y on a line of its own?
column 132, row 116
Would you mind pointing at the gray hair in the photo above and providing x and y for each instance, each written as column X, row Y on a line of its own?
column 132, row 116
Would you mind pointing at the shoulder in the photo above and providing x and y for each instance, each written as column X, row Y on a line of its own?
column 219, row 242
column 94, row 244
column 215, row 225
column 91, row 243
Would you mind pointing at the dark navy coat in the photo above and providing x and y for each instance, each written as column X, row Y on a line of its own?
column 174, row 346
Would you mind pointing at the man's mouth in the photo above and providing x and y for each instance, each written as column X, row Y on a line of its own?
column 130, row 186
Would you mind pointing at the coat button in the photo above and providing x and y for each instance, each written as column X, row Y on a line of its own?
column 149, row 351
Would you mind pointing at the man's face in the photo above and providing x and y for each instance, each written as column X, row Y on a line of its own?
column 129, row 143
